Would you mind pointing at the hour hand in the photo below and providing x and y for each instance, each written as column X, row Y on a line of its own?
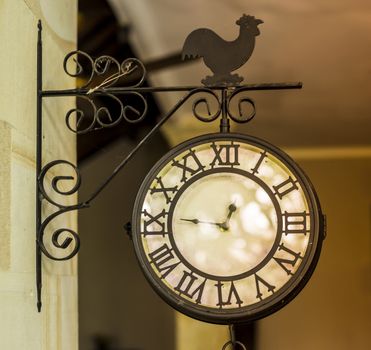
column 232, row 208
column 196, row 221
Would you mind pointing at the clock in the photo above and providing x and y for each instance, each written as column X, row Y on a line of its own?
column 227, row 228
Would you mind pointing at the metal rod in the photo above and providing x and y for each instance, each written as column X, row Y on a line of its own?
column 38, row 164
column 224, row 121
column 124, row 90
column 143, row 141
column 232, row 335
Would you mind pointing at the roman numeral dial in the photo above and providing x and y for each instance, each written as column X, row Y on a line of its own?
column 226, row 228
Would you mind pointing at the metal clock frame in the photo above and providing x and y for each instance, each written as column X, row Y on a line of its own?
column 222, row 95
column 273, row 302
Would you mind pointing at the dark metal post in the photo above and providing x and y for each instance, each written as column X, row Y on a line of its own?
column 235, row 343
column 38, row 164
column 246, row 334
column 224, row 121
column 232, row 335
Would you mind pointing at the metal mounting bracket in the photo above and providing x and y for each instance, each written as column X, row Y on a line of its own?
column 222, row 94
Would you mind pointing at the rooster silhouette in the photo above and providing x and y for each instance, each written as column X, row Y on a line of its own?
column 223, row 57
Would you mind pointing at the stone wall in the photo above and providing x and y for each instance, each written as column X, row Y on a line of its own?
column 21, row 326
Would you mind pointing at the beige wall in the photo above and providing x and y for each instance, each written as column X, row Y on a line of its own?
column 333, row 311
column 116, row 303
column 21, row 326
column 195, row 335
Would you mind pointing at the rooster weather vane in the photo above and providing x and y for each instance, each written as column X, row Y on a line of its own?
column 221, row 56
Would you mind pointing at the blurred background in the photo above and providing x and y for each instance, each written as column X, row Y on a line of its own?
column 325, row 127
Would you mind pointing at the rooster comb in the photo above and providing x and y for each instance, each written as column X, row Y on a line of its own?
column 247, row 19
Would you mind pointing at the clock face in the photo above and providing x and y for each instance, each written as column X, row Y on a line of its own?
column 227, row 228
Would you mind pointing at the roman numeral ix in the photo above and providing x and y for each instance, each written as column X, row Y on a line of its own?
column 295, row 223
column 154, row 221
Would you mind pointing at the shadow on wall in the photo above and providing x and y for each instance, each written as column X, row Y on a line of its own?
column 117, row 307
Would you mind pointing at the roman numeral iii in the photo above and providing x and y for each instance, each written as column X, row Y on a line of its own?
column 295, row 223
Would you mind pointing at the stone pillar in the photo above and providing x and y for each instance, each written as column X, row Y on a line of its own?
column 21, row 326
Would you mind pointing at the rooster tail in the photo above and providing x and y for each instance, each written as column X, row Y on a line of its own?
column 193, row 45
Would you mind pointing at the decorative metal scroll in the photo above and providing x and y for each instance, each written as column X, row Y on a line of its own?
column 115, row 82
column 110, row 72
column 71, row 237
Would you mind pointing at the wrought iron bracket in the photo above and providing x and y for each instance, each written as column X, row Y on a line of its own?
column 223, row 95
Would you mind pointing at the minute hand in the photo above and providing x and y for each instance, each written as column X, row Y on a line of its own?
column 196, row 221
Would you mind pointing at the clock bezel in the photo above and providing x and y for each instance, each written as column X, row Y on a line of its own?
column 269, row 304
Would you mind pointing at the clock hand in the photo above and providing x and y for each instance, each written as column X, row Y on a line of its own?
column 196, row 221
column 232, row 208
